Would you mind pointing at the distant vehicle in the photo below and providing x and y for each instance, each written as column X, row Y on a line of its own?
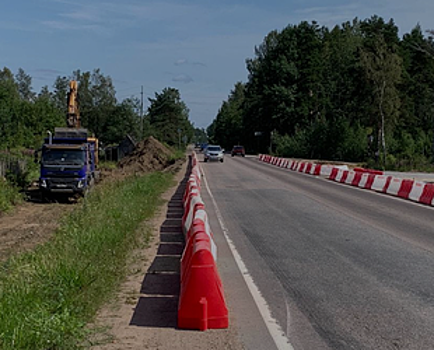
column 213, row 152
column 238, row 151
column 203, row 146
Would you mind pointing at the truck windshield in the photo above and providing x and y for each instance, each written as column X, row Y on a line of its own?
column 63, row 156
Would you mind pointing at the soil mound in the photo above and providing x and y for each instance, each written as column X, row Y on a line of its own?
column 150, row 155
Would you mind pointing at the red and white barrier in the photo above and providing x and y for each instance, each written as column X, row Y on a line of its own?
column 394, row 186
column 379, row 183
column 201, row 301
column 417, row 191
column 369, row 179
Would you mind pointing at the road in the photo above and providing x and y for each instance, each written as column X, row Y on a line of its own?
column 339, row 267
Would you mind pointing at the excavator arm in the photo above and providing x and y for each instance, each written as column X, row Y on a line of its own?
column 73, row 115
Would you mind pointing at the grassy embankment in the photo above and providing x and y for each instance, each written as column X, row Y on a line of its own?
column 49, row 295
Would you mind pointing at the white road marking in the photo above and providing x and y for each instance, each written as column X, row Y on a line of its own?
column 276, row 332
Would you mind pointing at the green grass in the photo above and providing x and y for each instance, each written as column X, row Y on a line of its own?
column 9, row 196
column 107, row 164
column 48, row 296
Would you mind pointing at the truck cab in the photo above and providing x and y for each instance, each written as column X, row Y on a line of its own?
column 68, row 162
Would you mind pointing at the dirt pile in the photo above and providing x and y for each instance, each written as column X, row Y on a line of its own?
column 149, row 155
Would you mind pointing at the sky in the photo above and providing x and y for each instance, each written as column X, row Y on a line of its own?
column 197, row 47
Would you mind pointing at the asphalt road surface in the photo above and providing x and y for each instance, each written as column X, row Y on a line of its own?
column 339, row 267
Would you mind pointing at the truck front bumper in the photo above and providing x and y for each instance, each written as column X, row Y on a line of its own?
column 62, row 185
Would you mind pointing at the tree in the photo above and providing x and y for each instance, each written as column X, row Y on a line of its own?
column 168, row 117
column 383, row 67
column 24, row 82
column 227, row 128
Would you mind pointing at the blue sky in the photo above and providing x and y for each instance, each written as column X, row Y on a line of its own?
column 198, row 47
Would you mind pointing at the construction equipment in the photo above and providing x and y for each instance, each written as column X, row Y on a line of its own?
column 69, row 158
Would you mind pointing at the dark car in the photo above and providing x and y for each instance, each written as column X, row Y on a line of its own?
column 238, row 151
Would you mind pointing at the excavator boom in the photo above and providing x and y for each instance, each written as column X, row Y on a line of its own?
column 73, row 115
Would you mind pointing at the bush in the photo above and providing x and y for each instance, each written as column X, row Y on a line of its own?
column 9, row 195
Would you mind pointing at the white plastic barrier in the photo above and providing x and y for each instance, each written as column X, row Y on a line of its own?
column 290, row 163
column 379, row 183
column 363, row 180
column 312, row 170
column 201, row 215
column 195, row 199
column 417, row 190
column 350, row 177
column 394, row 186
column 340, row 174
column 326, row 170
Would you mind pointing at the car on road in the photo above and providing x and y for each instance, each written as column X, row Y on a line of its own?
column 238, row 151
column 213, row 152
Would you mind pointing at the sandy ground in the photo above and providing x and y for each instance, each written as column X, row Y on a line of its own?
column 144, row 313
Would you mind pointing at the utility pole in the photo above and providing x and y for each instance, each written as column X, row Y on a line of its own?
column 142, row 119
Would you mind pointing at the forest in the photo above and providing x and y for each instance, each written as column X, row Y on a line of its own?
column 357, row 92
column 25, row 116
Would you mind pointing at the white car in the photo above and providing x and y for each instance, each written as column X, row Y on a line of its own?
column 213, row 152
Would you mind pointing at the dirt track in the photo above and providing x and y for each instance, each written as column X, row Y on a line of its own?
column 28, row 225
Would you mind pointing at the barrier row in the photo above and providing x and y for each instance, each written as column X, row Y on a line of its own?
column 369, row 179
column 417, row 191
column 303, row 167
column 201, row 302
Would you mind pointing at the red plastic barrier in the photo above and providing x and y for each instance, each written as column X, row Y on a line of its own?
column 427, row 194
column 405, row 189
column 369, row 181
column 386, row 186
column 344, row 176
column 333, row 174
column 317, row 169
column 302, row 166
column 308, row 168
column 201, row 302
column 356, row 179
column 370, row 171
column 197, row 235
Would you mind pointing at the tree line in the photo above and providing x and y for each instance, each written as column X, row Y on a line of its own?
column 357, row 92
column 25, row 116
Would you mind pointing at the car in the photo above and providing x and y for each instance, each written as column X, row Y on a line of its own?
column 238, row 150
column 213, row 152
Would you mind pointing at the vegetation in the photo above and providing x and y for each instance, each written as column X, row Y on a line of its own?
column 47, row 296
column 357, row 92
column 9, row 196
column 26, row 116
column 168, row 118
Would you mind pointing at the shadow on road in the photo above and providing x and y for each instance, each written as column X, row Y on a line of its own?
column 161, row 285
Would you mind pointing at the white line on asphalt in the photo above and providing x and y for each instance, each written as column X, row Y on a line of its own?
column 276, row 332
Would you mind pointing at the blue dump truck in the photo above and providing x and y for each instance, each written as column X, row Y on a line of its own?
column 68, row 162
